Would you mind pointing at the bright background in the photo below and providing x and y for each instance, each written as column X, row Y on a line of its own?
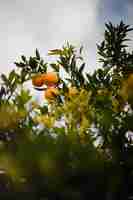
column 47, row 24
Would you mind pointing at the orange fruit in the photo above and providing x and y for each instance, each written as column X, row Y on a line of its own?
column 50, row 78
column 51, row 93
column 37, row 80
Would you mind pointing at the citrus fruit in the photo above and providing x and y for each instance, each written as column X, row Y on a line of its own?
column 38, row 80
column 51, row 93
column 50, row 78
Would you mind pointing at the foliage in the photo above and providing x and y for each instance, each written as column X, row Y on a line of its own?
column 79, row 143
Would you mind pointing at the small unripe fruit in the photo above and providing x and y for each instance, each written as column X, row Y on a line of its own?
column 51, row 93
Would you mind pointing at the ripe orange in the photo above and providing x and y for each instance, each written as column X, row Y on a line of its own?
column 50, row 78
column 51, row 93
column 38, row 80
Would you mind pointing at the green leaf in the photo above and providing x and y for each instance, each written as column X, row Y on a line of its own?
column 33, row 63
column 21, row 65
column 55, row 52
column 44, row 109
column 23, row 98
column 4, row 78
column 2, row 92
column 55, row 67
column 81, row 49
column 65, row 88
column 82, row 68
column 12, row 76
column 23, row 58
column 37, row 54
column 59, row 130
column 24, row 75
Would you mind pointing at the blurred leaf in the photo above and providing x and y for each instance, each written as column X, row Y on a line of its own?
column 23, row 98
column 82, row 68
column 23, row 58
column 81, row 49
column 5, row 79
column 20, row 64
column 33, row 63
column 38, row 54
column 55, row 52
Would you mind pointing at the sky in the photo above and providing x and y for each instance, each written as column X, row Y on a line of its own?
column 46, row 24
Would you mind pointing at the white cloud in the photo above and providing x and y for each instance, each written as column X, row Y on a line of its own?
column 45, row 25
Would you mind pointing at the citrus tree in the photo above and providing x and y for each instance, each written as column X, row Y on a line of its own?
column 78, row 143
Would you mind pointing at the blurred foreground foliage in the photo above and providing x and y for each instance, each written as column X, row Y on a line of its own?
column 78, row 143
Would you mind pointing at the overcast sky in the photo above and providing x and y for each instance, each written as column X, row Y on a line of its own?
column 47, row 24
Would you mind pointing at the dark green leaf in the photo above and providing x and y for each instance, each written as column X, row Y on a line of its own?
column 23, row 58
column 37, row 54
column 82, row 68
